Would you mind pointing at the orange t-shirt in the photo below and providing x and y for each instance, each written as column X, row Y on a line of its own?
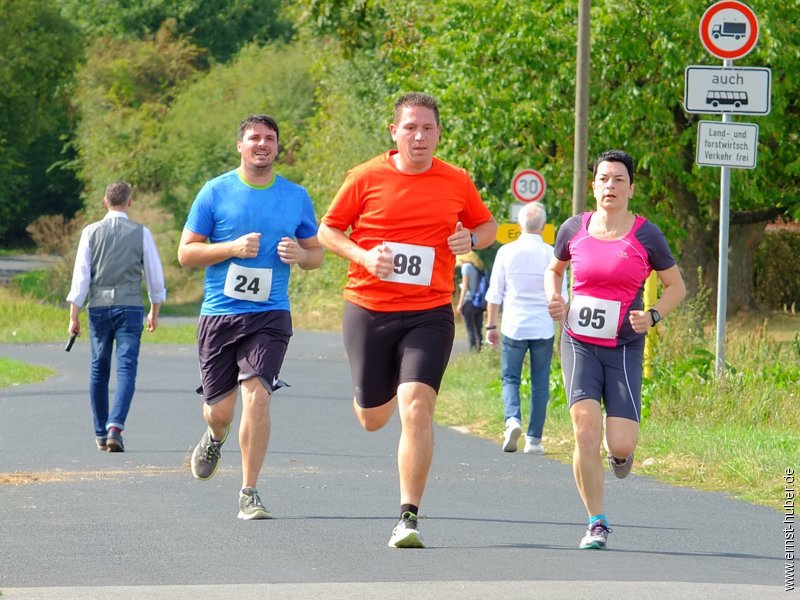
column 381, row 204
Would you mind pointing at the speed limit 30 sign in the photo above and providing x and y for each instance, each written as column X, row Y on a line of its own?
column 528, row 185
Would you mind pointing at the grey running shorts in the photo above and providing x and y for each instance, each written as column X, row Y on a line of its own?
column 389, row 348
column 613, row 375
column 233, row 348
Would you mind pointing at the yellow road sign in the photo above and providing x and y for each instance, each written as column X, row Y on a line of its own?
column 508, row 232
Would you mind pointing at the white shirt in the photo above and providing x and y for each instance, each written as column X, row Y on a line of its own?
column 82, row 273
column 517, row 282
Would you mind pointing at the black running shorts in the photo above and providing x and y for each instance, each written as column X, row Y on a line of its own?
column 613, row 375
column 233, row 348
column 389, row 348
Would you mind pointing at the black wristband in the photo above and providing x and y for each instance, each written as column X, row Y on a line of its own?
column 490, row 327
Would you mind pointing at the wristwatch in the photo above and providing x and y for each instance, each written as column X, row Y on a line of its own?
column 656, row 317
column 473, row 240
column 490, row 327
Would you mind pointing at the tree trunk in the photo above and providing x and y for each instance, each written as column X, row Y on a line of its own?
column 744, row 240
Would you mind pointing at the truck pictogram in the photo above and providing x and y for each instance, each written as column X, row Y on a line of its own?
column 729, row 29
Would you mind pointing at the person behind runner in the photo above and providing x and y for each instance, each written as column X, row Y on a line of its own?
column 517, row 283
column 113, row 255
column 471, row 268
column 409, row 214
column 612, row 251
column 246, row 227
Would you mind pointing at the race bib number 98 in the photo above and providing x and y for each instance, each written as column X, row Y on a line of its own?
column 411, row 264
column 245, row 283
column 594, row 317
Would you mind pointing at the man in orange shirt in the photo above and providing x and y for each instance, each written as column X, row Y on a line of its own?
column 408, row 214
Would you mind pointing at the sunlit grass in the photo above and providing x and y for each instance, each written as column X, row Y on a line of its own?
column 735, row 435
column 14, row 372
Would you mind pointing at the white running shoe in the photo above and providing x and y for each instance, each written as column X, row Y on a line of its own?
column 405, row 533
column 531, row 448
column 511, row 435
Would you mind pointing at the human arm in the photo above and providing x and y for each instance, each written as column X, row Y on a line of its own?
column 74, row 327
column 673, row 294
column 193, row 251
column 81, row 279
column 460, row 241
column 152, row 317
column 307, row 253
column 553, row 284
column 377, row 261
column 492, row 335
column 154, row 279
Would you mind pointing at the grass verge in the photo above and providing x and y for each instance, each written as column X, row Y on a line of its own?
column 14, row 372
column 709, row 435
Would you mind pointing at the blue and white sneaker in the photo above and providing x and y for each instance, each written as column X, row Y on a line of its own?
column 596, row 537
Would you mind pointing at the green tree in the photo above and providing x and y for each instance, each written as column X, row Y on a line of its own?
column 40, row 50
column 504, row 72
column 197, row 140
column 124, row 91
column 221, row 27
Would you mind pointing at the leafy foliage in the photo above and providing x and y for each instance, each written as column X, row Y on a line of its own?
column 221, row 27
column 124, row 92
column 504, row 73
column 40, row 50
column 197, row 140
column 777, row 270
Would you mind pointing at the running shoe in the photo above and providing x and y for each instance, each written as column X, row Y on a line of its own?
column 596, row 537
column 250, row 506
column 621, row 467
column 405, row 533
column 531, row 448
column 114, row 441
column 205, row 458
column 510, row 436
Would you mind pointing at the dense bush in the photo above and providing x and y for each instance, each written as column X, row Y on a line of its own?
column 776, row 272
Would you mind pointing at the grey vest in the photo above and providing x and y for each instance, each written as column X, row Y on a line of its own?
column 117, row 263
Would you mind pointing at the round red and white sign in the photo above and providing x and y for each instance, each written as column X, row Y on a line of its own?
column 528, row 185
column 729, row 29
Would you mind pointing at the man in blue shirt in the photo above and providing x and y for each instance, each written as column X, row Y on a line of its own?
column 247, row 227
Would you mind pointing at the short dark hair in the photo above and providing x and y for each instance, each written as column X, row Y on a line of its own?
column 118, row 193
column 252, row 120
column 614, row 156
column 413, row 99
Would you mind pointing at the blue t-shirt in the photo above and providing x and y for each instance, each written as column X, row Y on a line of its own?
column 227, row 208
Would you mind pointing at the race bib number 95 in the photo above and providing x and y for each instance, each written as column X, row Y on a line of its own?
column 245, row 283
column 411, row 264
column 594, row 317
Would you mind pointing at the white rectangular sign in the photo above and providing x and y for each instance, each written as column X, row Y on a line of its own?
column 734, row 90
column 727, row 144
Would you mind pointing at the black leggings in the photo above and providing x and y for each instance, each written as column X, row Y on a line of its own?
column 473, row 319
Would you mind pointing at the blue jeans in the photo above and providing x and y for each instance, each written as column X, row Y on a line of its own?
column 107, row 324
column 513, row 357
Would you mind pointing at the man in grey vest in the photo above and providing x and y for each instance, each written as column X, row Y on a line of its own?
column 112, row 256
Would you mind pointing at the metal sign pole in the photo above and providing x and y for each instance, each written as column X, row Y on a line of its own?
column 722, row 276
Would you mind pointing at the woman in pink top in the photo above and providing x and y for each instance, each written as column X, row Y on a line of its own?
column 612, row 252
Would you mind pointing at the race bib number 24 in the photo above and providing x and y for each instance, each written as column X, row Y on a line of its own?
column 246, row 283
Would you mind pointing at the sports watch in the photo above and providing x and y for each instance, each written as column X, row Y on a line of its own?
column 473, row 240
column 656, row 317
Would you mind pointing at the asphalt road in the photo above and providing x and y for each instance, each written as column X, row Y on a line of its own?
column 76, row 523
